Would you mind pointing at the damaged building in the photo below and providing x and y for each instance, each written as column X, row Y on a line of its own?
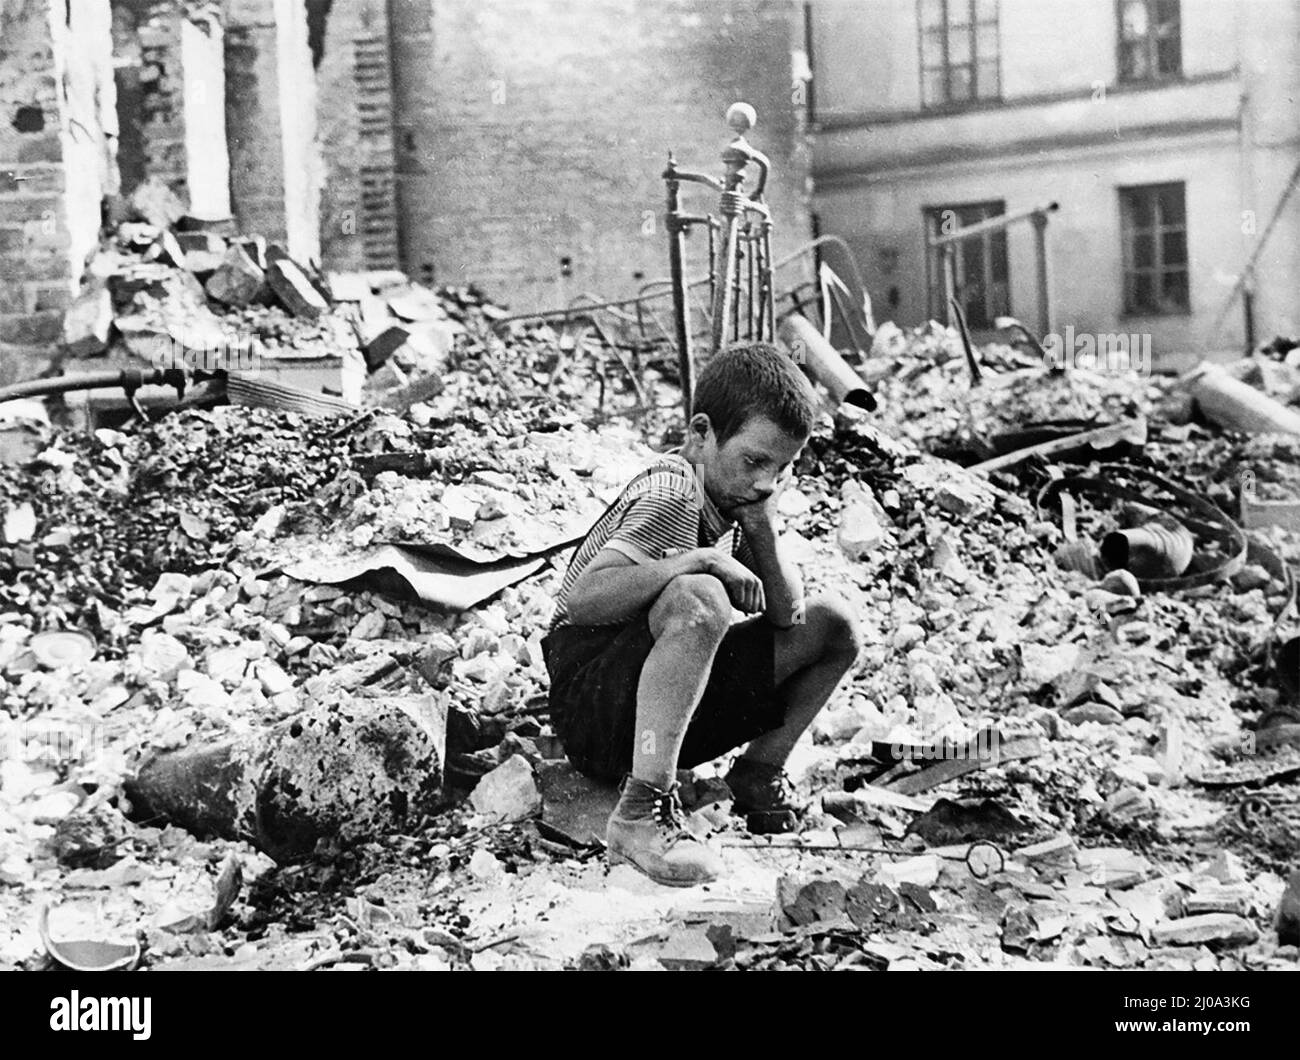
column 1166, row 131
column 517, row 145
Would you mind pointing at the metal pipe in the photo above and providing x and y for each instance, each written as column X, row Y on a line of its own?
column 768, row 281
column 723, row 299
column 993, row 224
column 823, row 362
column 1044, row 275
column 129, row 379
column 676, row 252
column 751, row 255
column 950, row 281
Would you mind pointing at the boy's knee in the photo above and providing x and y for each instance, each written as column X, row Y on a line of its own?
column 840, row 635
column 696, row 600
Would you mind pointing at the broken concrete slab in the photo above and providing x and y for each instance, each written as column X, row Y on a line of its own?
column 201, row 242
column 382, row 346
column 166, row 250
column 87, row 323
column 1226, row 867
column 1223, row 929
column 1060, row 849
column 1098, row 713
column 676, row 948
column 237, row 281
column 509, row 792
column 415, row 303
column 1113, row 867
column 949, row 821
column 806, row 900
column 744, row 917
column 922, row 871
column 1220, row 898
column 294, row 290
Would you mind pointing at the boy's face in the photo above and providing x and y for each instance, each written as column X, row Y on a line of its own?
column 745, row 469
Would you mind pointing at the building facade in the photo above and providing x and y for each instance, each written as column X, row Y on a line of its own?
column 518, row 144
column 1168, row 132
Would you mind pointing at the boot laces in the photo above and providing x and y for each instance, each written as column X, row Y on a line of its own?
column 668, row 811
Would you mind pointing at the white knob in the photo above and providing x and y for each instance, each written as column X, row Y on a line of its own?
column 741, row 117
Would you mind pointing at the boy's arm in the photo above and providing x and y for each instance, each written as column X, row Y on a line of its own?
column 613, row 586
column 782, row 582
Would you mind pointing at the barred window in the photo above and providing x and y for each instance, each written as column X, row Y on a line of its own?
column 1154, row 230
column 959, row 51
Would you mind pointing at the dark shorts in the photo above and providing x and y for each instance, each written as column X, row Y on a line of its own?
column 594, row 674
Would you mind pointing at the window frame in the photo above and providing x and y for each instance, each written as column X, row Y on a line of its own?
column 978, row 96
column 1157, row 231
column 1150, row 42
column 931, row 217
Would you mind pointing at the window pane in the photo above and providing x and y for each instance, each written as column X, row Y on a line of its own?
column 1172, row 211
column 1169, row 56
column 1174, row 290
column 1133, row 64
column 932, row 48
column 932, row 87
column 988, row 80
column 959, row 83
column 986, row 10
column 998, row 256
column 959, row 12
column 1133, row 19
column 931, row 13
column 1144, row 250
column 1174, row 248
column 1139, row 212
column 1167, row 14
column 1140, row 293
column 999, row 300
column 986, row 41
column 959, row 46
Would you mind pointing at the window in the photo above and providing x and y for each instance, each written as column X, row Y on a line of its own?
column 959, row 51
column 980, row 264
column 1150, row 40
column 1153, row 221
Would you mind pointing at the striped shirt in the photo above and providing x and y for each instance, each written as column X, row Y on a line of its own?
column 664, row 508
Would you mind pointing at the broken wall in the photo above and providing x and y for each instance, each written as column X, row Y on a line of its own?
column 532, row 134
column 276, row 171
column 170, row 69
column 351, row 49
column 58, row 129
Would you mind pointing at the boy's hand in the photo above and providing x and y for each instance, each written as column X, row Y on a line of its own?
column 763, row 513
column 744, row 587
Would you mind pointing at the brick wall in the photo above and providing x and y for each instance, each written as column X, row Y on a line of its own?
column 355, row 105
column 531, row 131
column 56, row 107
column 275, row 166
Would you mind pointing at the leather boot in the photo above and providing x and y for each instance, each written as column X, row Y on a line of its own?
column 648, row 831
column 764, row 796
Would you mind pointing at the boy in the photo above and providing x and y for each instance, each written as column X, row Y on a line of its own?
column 647, row 670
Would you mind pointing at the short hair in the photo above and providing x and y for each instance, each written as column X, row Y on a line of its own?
column 755, row 379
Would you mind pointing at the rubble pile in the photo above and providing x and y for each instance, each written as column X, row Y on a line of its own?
column 922, row 383
column 155, row 558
